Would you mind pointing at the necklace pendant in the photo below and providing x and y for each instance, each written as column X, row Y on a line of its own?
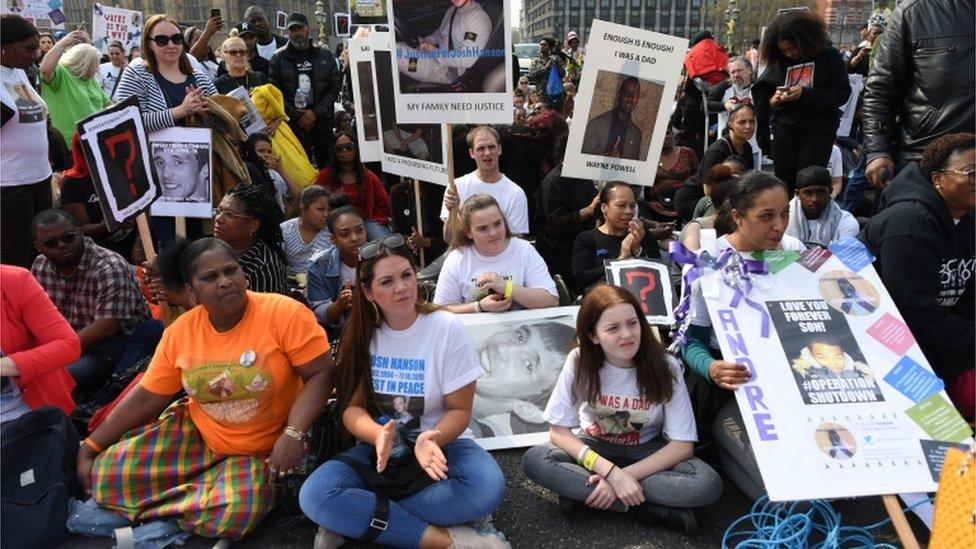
column 248, row 358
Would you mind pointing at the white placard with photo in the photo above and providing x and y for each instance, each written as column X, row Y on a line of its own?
column 842, row 402
column 522, row 353
column 367, row 114
column 847, row 111
column 453, row 64
column 650, row 282
column 624, row 103
column 252, row 121
column 409, row 150
column 182, row 160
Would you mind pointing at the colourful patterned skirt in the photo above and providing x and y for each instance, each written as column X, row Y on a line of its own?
column 165, row 471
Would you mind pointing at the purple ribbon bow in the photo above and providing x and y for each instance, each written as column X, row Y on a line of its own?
column 736, row 273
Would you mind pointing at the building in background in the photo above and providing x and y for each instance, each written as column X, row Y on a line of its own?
column 555, row 18
column 844, row 18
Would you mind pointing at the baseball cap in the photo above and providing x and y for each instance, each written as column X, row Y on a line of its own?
column 244, row 28
column 296, row 18
column 572, row 35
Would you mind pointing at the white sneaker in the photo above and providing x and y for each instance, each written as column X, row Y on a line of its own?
column 464, row 536
column 327, row 539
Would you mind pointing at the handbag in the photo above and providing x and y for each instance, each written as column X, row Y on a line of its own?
column 554, row 88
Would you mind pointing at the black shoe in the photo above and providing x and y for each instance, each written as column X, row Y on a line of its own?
column 569, row 506
column 649, row 514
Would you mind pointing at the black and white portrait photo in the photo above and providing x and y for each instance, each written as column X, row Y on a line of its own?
column 181, row 160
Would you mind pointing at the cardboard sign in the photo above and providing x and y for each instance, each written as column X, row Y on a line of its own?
column 341, row 24
column 117, row 150
column 367, row 12
column 182, row 160
column 367, row 114
column 649, row 282
column 115, row 25
column 623, row 105
column 453, row 65
column 410, row 150
column 842, row 400
column 526, row 350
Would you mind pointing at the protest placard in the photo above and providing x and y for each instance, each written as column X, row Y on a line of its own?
column 43, row 14
column 367, row 12
column 847, row 111
column 280, row 19
column 842, row 402
column 624, row 103
column 410, row 150
column 252, row 122
column 522, row 353
column 117, row 151
column 649, row 282
column 453, row 63
column 115, row 25
column 367, row 119
column 182, row 159
column 341, row 24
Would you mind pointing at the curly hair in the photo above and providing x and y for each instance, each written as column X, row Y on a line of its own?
column 260, row 205
column 936, row 155
column 805, row 29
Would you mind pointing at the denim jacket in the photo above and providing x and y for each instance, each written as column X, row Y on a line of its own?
column 324, row 284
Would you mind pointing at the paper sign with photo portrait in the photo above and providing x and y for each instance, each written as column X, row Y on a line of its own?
column 648, row 281
column 410, row 150
column 367, row 12
column 830, row 411
column 280, row 19
column 624, row 104
column 182, row 160
column 522, row 353
column 252, row 122
column 453, row 65
column 117, row 150
column 367, row 114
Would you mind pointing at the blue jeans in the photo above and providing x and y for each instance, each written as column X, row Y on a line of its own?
column 335, row 497
column 95, row 366
column 376, row 230
column 857, row 183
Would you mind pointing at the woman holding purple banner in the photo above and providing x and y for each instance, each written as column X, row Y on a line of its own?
column 753, row 219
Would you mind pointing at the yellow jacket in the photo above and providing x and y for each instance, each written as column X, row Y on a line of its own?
column 271, row 105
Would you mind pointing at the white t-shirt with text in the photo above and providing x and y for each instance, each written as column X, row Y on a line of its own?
column 24, row 157
column 511, row 199
column 620, row 415
column 518, row 262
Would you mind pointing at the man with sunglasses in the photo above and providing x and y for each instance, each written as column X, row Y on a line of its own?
column 815, row 218
column 94, row 288
column 309, row 79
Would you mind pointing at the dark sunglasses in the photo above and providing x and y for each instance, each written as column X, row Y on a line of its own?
column 161, row 39
column 373, row 249
column 346, row 147
column 66, row 238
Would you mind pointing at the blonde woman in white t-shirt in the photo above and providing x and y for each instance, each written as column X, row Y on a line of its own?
column 490, row 271
column 634, row 447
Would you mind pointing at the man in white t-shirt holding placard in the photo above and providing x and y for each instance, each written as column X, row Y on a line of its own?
column 484, row 146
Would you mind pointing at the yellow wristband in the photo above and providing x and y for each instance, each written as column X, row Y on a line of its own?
column 509, row 289
column 589, row 460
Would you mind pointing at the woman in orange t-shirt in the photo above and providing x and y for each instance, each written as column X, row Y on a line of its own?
column 257, row 372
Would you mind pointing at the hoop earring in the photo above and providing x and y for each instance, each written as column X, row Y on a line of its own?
column 376, row 311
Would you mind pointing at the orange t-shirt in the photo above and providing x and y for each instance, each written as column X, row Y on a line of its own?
column 242, row 383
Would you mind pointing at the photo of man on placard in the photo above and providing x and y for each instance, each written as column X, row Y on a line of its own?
column 420, row 141
column 622, row 116
column 445, row 46
column 183, row 170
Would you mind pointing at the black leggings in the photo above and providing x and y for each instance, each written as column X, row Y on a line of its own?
column 793, row 153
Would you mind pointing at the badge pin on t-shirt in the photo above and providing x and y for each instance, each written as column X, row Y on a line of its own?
column 412, row 65
column 248, row 358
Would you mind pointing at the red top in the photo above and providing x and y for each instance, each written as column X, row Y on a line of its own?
column 38, row 339
column 373, row 201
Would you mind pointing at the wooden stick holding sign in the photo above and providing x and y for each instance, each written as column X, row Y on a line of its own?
column 904, row 530
column 452, row 223
column 420, row 221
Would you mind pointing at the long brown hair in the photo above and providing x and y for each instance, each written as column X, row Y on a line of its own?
column 147, row 53
column 655, row 380
column 354, row 366
column 475, row 203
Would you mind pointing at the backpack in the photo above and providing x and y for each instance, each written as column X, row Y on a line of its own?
column 37, row 477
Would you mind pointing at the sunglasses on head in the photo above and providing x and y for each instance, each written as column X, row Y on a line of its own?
column 373, row 249
column 346, row 147
column 66, row 238
column 161, row 39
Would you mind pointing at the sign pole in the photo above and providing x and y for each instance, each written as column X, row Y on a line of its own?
column 420, row 219
column 900, row 522
column 149, row 250
column 451, row 222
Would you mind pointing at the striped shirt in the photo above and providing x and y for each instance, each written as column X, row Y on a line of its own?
column 138, row 80
column 264, row 269
column 297, row 252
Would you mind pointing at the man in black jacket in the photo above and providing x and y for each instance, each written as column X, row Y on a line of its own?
column 310, row 81
column 267, row 42
column 923, row 75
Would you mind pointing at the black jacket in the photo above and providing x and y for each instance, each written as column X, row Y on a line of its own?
column 925, row 260
column 817, row 111
column 923, row 75
column 326, row 82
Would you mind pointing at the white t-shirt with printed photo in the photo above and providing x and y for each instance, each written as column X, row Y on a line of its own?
column 518, row 262
column 511, row 199
column 414, row 368
column 620, row 415
column 24, row 136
